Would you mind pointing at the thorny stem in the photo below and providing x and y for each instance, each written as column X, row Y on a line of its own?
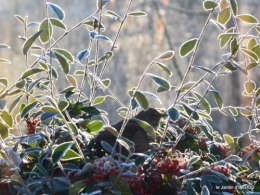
column 193, row 56
column 188, row 70
column 114, row 42
column 116, row 37
column 85, row 75
column 93, row 84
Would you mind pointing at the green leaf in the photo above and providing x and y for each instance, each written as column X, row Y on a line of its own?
column 121, row 185
column 31, row 72
column 20, row 84
column 72, row 80
column 165, row 68
column 252, row 65
column 107, row 146
column 65, row 53
column 204, row 114
column 4, row 46
column 218, row 98
column 14, row 104
column 166, row 55
column 7, row 118
column 148, row 94
column 54, row 73
column 141, row 99
column 246, row 111
column 212, row 178
column 63, row 62
column 225, row 40
column 209, row 5
column 243, row 141
column 56, row 10
column 99, row 100
column 146, row 126
column 48, row 115
column 189, row 111
column 27, row 109
column 248, row 18
column 60, row 150
column 256, row 50
column 73, row 127
column 28, row 43
column 79, row 72
column 4, row 82
column 251, row 43
column 233, row 111
column 14, row 92
column 5, row 61
column 106, row 82
column 49, row 109
column 70, row 155
column 113, row 14
column 57, row 23
column 205, row 190
column 137, row 13
column 250, row 53
column 83, row 54
column 16, row 178
column 42, row 169
column 111, row 130
column 95, row 126
column 63, row 105
column 228, row 34
column 204, row 102
column 230, row 66
column 47, row 32
column 76, row 187
column 173, row 113
column 224, row 16
column 234, row 47
column 190, row 189
column 234, row 6
column 4, row 132
column 34, row 83
column 187, row 47
column 123, row 143
column 160, row 81
column 257, row 102
column 193, row 160
column 229, row 140
column 249, row 87
column 44, row 65
column 91, row 110
column 207, row 132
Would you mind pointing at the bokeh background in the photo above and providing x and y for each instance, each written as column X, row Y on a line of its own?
column 167, row 25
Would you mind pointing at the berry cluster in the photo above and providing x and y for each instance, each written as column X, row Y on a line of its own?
column 31, row 126
column 154, row 182
column 168, row 166
column 134, row 181
column 181, row 122
column 225, row 169
column 99, row 174
column 3, row 185
column 202, row 142
column 252, row 146
column 224, row 149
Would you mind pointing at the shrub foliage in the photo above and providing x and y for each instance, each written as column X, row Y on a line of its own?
column 53, row 151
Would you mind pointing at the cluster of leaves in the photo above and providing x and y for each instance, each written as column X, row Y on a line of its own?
column 58, row 153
